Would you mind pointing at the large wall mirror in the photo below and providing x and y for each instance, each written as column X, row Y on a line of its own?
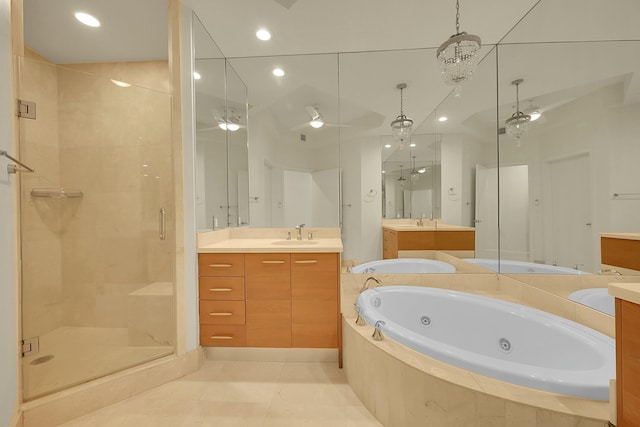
column 222, row 184
column 294, row 135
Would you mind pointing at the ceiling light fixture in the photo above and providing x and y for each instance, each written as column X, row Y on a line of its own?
column 87, row 19
column 231, row 124
column 317, row 122
column 422, row 170
column 119, row 83
column 196, row 75
column 518, row 124
column 458, row 55
column 443, row 118
column 402, row 179
column 263, row 34
column 534, row 112
column 414, row 173
column 387, row 145
column 278, row 72
column 401, row 126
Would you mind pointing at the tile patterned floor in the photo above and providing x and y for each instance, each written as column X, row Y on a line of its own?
column 246, row 394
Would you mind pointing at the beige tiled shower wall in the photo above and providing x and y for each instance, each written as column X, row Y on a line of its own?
column 41, row 218
column 113, row 144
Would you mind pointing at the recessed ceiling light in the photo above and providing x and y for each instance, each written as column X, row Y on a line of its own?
column 196, row 75
column 443, row 118
column 263, row 34
column 278, row 72
column 316, row 123
column 384, row 171
column 387, row 145
column 87, row 19
column 413, row 144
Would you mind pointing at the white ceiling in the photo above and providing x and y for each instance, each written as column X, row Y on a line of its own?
column 383, row 43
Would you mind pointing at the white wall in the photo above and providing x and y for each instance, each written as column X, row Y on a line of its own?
column 8, row 257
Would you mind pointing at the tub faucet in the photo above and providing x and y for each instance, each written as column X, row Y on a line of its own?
column 420, row 223
column 299, row 229
column 365, row 286
column 377, row 332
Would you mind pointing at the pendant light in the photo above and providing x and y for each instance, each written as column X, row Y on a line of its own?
column 518, row 124
column 414, row 173
column 401, row 126
column 458, row 55
column 402, row 179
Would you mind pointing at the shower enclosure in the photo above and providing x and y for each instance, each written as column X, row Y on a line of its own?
column 97, row 220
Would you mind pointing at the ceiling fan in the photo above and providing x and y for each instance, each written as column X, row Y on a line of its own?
column 316, row 119
column 230, row 123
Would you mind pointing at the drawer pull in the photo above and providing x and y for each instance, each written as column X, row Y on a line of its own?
column 220, row 289
column 221, row 337
column 220, row 314
column 220, row 265
column 273, row 262
column 306, row 261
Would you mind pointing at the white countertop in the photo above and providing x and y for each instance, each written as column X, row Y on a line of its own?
column 438, row 227
column 626, row 291
column 248, row 240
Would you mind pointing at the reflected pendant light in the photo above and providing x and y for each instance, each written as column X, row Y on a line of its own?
column 414, row 173
column 402, row 179
column 518, row 124
column 458, row 55
column 401, row 126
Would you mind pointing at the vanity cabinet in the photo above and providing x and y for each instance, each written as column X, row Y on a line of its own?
column 269, row 299
column 621, row 250
column 222, row 308
column 627, row 363
column 441, row 240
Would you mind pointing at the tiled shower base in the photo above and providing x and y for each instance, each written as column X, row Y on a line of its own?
column 73, row 355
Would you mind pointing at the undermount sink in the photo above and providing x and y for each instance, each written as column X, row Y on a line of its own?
column 294, row 242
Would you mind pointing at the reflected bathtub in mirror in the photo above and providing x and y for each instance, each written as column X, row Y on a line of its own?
column 521, row 267
column 404, row 265
column 596, row 298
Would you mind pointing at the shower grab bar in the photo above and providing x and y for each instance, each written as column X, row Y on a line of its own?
column 14, row 168
column 163, row 223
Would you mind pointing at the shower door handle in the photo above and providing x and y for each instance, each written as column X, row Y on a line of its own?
column 163, row 223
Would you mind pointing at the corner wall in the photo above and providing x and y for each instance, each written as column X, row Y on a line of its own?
column 8, row 241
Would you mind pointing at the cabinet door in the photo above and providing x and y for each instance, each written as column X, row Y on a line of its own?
column 268, row 276
column 314, row 324
column 269, row 323
column 314, row 276
column 221, row 288
column 220, row 264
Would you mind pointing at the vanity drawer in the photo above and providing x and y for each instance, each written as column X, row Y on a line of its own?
column 222, row 312
column 314, row 276
column 223, row 335
column 221, row 264
column 221, row 288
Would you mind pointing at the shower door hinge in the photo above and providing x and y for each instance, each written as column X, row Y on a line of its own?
column 26, row 109
column 30, row 346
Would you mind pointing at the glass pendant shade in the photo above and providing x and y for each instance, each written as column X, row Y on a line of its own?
column 458, row 55
column 519, row 123
column 402, row 179
column 401, row 126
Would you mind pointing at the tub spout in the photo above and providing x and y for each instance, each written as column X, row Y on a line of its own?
column 377, row 332
column 365, row 286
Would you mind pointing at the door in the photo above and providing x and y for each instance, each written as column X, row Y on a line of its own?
column 571, row 232
column 486, row 212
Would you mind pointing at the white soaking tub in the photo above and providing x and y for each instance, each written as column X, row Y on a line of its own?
column 504, row 340
column 596, row 298
column 521, row 267
column 404, row 265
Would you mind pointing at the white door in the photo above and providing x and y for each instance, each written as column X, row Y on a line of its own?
column 570, row 215
column 514, row 213
column 486, row 212
column 267, row 196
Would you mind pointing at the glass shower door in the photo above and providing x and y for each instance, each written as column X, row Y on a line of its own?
column 97, row 228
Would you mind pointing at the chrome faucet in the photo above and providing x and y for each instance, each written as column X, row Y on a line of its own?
column 299, row 228
column 366, row 283
column 420, row 223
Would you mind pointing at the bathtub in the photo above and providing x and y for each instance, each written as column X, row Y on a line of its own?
column 404, row 265
column 500, row 339
column 521, row 267
column 596, row 298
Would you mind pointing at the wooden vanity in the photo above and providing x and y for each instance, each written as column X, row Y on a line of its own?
column 268, row 295
column 411, row 237
column 620, row 251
